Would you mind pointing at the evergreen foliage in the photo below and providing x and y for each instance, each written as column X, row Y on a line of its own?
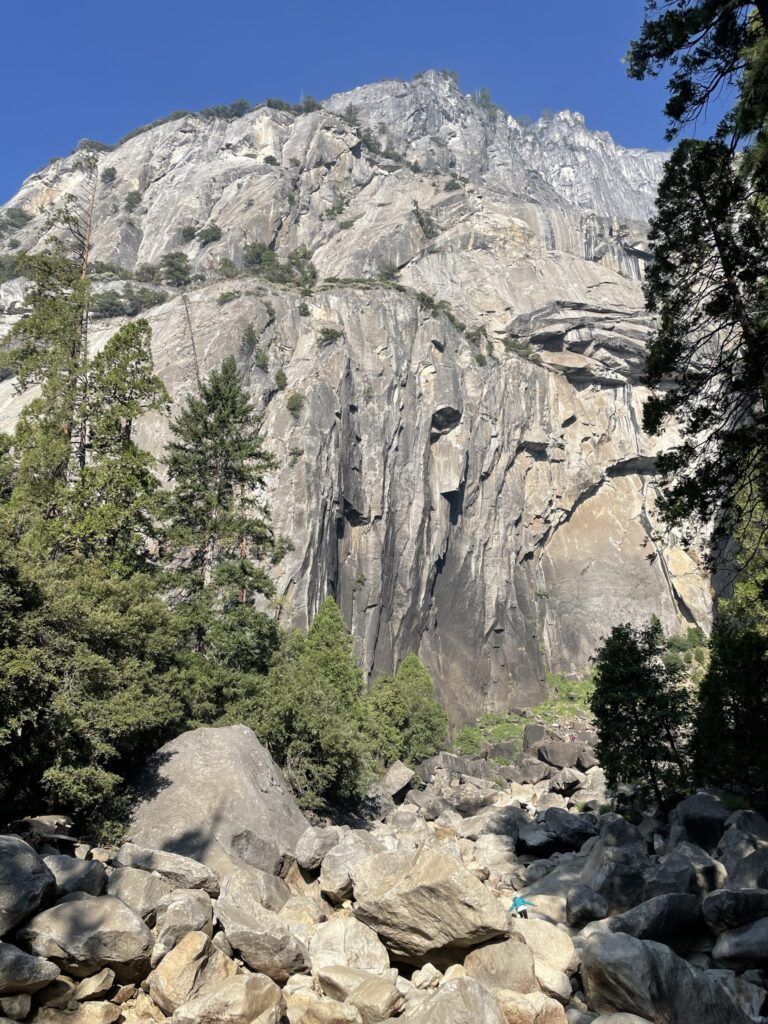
column 408, row 722
column 641, row 711
column 175, row 269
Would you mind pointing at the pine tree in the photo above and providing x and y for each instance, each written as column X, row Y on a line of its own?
column 220, row 529
column 641, row 711
column 311, row 711
column 408, row 722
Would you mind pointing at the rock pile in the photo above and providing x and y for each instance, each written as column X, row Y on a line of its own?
column 399, row 916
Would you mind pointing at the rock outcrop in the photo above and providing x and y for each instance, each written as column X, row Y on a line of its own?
column 467, row 475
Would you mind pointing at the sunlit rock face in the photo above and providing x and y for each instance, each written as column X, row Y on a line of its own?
column 473, row 485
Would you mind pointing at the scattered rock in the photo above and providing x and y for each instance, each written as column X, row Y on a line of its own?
column 699, row 819
column 263, row 940
column 463, row 1001
column 547, row 942
column 583, row 905
column 347, row 942
column 725, row 909
column 420, row 903
column 313, row 844
column 84, row 935
column 74, row 875
column 335, row 875
column 142, row 891
column 95, row 987
column 180, row 912
column 181, row 872
column 559, row 754
column 21, row 973
column 25, row 882
column 674, row 919
column 241, row 999
column 747, row 945
column 503, row 965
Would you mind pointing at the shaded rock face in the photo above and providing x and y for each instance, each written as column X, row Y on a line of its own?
column 499, row 510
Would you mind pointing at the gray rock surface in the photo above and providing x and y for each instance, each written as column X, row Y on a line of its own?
column 25, row 882
column 83, row 935
column 262, row 939
column 462, row 1001
column 179, row 871
column 727, row 908
column 20, row 972
column 139, row 890
column 205, row 789
column 73, row 875
column 622, row 973
column 674, row 919
column 500, row 508
column 506, row 964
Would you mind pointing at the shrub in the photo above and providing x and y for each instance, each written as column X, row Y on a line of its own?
column 369, row 140
column 188, row 232
column 481, row 359
column 14, row 218
column 249, row 340
column 294, row 454
column 226, row 297
column 227, row 268
column 345, row 224
column 271, row 160
column 107, row 304
column 260, row 358
column 148, row 273
column 132, row 201
column 109, row 175
column 351, row 115
column 327, row 336
column 295, row 403
column 296, row 269
column 227, row 112
column 303, row 309
column 281, row 381
column 523, row 349
column 206, row 235
column 175, row 269
column 452, row 185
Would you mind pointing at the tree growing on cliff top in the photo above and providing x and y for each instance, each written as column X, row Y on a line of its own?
column 641, row 711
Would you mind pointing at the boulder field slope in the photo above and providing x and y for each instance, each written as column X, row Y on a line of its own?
column 403, row 916
column 467, row 474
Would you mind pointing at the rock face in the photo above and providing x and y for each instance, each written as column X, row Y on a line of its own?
column 480, row 494
column 25, row 882
column 237, row 792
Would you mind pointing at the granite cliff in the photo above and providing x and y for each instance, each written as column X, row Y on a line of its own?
column 467, row 473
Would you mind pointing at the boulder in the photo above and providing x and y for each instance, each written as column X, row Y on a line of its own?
column 303, row 915
column 461, row 1001
column 583, row 905
column 559, row 754
column 181, row 972
column 570, row 831
column 751, row 873
column 531, row 1008
column 83, row 935
column 395, row 779
column 553, row 982
column 506, row 964
column 139, row 890
column 424, row 902
column 16, row 1007
column 181, row 872
column 566, row 781
column 498, row 821
column 547, row 942
column 533, row 771
column 449, row 763
column 25, row 882
column 85, row 1013
column 248, row 885
column 533, row 735
column 745, row 832
column 181, row 912
column 347, row 942
column 376, row 1000
column 241, row 999
column 21, row 973
column 208, row 787
column 95, row 987
column 468, row 798
column 256, row 852
column 316, row 1010
column 340, row 982
column 617, row 864
column 687, row 869
column 335, row 874
column 674, row 919
column 725, row 909
column 623, row 974
column 313, row 844
column 73, row 875
column 699, row 819
column 262, row 939
column 743, row 946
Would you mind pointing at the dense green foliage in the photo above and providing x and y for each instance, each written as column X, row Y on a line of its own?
column 641, row 711
column 408, row 722
column 175, row 269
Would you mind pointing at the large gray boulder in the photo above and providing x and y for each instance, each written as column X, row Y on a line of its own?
column 241, row 999
column 339, row 861
column 179, row 871
column 210, row 794
column 422, row 903
column 617, row 865
column 686, row 869
column 84, row 934
column 347, row 942
column 751, row 873
column 698, row 819
column 583, row 905
column 462, row 1001
column 313, row 844
column 503, row 965
column 746, row 946
column 74, row 875
column 623, row 974
column 20, row 972
column 724, row 909
column 139, row 890
column 745, row 832
column 25, row 882
column 262, row 939
column 674, row 919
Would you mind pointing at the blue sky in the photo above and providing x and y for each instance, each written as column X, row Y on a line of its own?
column 96, row 69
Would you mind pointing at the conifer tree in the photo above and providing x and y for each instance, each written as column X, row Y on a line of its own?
column 219, row 523
column 408, row 722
